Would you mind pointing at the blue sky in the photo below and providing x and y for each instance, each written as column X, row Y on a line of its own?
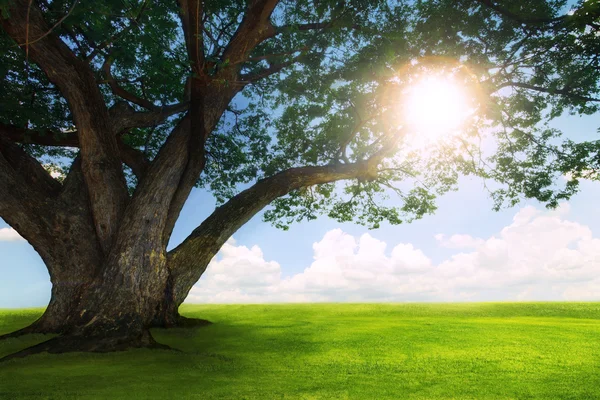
column 465, row 251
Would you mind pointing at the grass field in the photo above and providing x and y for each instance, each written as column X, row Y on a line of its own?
column 338, row 351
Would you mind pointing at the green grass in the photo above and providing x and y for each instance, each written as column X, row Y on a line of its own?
column 339, row 351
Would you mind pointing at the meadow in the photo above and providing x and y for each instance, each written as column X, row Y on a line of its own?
column 332, row 351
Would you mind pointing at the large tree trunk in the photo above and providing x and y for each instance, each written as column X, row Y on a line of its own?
column 117, row 309
column 84, row 305
column 58, row 316
column 106, row 311
column 99, row 302
column 72, row 259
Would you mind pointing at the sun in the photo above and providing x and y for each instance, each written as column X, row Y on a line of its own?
column 435, row 106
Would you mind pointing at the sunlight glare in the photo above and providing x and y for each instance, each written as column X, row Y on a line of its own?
column 434, row 107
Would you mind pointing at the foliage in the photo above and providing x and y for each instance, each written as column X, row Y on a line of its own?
column 538, row 61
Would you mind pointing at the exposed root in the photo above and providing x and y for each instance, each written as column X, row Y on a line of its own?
column 77, row 343
column 100, row 343
column 34, row 328
column 15, row 334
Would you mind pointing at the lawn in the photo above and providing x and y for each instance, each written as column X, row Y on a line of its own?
column 338, row 351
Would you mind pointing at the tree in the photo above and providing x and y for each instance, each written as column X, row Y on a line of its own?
column 135, row 103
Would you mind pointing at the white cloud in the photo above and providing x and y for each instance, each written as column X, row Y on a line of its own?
column 540, row 255
column 458, row 241
column 9, row 235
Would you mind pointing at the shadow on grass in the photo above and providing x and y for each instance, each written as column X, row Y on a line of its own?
column 384, row 351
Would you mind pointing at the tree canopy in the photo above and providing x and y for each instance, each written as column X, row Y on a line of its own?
column 316, row 91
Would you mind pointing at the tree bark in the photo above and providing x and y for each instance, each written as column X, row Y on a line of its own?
column 58, row 317
column 99, row 302
column 58, row 224
column 106, row 306
column 101, row 163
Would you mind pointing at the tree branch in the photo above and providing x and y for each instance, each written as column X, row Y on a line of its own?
column 29, row 42
column 190, row 13
column 101, row 163
column 25, row 188
column 120, row 91
column 204, row 110
column 133, row 158
column 188, row 261
column 29, row 169
column 562, row 92
column 125, row 117
column 45, row 137
column 50, row 224
column 518, row 18
column 273, row 69
column 253, row 30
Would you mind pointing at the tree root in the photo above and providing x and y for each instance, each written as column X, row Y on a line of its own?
column 18, row 333
column 69, row 342
column 79, row 343
column 34, row 328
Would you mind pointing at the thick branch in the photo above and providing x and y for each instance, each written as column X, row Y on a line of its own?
column 44, row 137
column 202, row 124
column 152, row 118
column 133, row 158
column 54, row 221
column 254, row 29
column 125, row 117
column 28, row 169
column 205, row 110
column 150, row 204
column 191, row 13
column 101, row 164
column 188, row 260
column 23, row 200
column 30, row 41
